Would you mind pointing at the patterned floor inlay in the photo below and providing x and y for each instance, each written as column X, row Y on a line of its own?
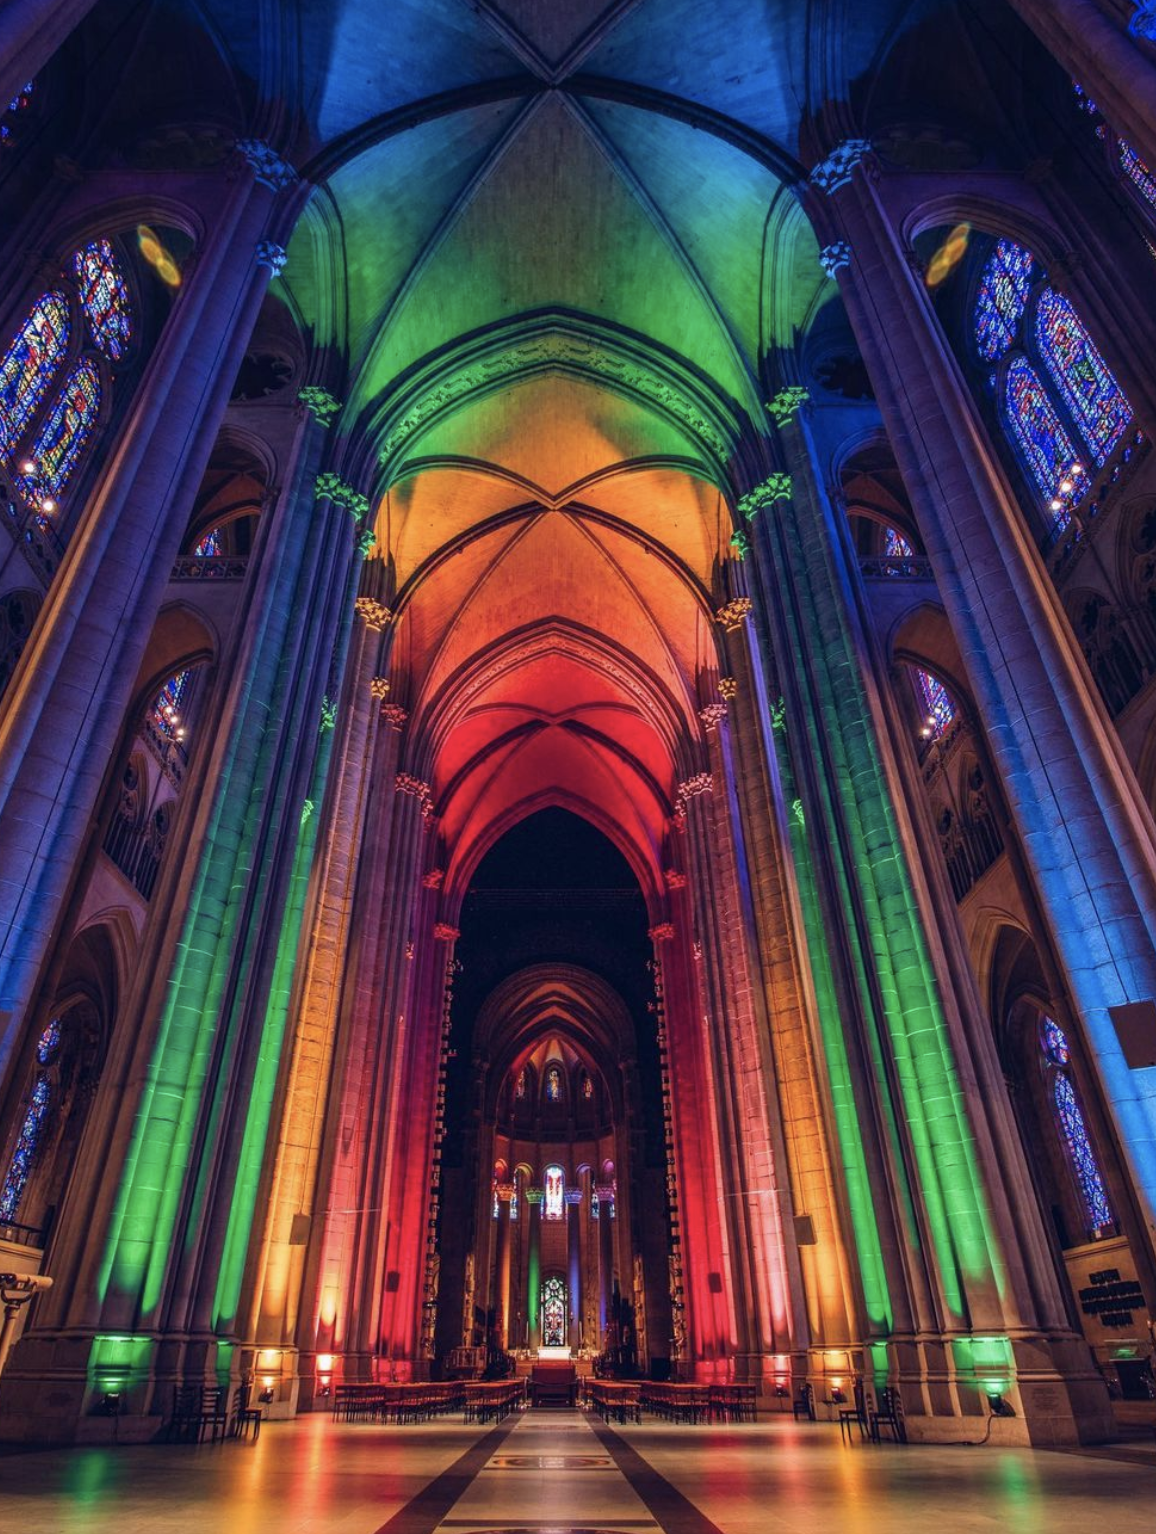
column 551, row 1462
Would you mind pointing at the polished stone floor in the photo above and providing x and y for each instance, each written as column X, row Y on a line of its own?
column 549, row 1472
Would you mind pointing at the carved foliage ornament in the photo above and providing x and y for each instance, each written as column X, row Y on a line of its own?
column 839, row 166
column 834, row 257
column 269, row 169
column 319, row 402
column 776, row 487
column 787, row 403
column 374, row 613
column 272, row 255
column 732, row 613
column 333, row 488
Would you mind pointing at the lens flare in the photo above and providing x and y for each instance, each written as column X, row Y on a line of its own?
column 157, row 256
column 948, row 256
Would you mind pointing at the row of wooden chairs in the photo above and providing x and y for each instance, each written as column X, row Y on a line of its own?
column 614, row 1402
column 398, row 1404
column 200, row 1409
column 623, row 1401
column 494, row 1402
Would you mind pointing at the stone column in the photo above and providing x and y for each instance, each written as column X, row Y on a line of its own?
column 1112, row 66
column 605, row 1193
column 534, row 1269
column 1086, row 833
column 62, row 712
column 574, row 1264
column 505, row 1193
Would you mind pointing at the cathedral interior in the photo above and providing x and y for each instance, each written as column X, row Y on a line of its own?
column 577, row 740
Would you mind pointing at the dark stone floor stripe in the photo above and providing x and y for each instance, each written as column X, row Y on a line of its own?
column 674, row 1513
column 423, row 1513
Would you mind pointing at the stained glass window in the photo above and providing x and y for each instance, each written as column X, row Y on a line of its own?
column 166, row 713
column 13, row 112
column 938, row 707
column 520, row 1084
column 29, row 365
column 209, row 547
column 1037, row 431
column 1082, row 376
column 514, row 1205
column 104, row 298
column 65, row 431
column 554, row 1313
column 27, row 1144
column 1074, row 1130
column 895, row 545
column 554, row 1085
column 587, row 1086
column 555, row 1186
column 49, row 1042
column 1004, row 286
column 594, row 1204
column 1137, row 172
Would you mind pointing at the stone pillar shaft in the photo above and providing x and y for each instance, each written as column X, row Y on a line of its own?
column 1086, row 834
column 534, row 1270
column 574, row 1265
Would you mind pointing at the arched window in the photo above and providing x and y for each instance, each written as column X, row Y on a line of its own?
column 555, row 1189
column 13, row 112
column 895, row 545
column 1037, row 430
column 29, row 365
column 1137, row 172
column 208, row 546
column 1089, row 390
column 554, row 1084
column 587, row 1086
column 104, row 298
column 1003, row 293
column 64, row 434
column 167, row 712
column 1065, row 405
column 520, row 1085
column 936, row 703
column 1073, row 1130
column 31, row 1135
column 554, row 1313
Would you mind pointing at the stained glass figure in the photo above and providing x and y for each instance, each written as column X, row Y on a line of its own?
column 595, row 1204
column 895, row 545
column 1089, row 390
column 1004, row 286
column 554, row 1084
column 520, row 1084
column 166, row 713
column 1137, row 172
column 514, row 1205
column 587, row 1086
column 554, row 1183
column 29, row 365
column 104, row 298
column 24, row 1154
column 1040, row 436
column 49, row 1042
column 209, row 547
column 553, row 1313
column 1073, row 1129
column 64, row 434
column 938, row 708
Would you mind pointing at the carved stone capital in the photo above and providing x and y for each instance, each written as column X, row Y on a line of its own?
column 728, row 688
column 269, row 169
column 740, row 542
column 776, row 487
column 331, row 487
column 675, row 880
column 731, row 614
column 834, row 257
column 432, row 878
column 375, row 614
column 839, row 166
column 787, row 403
column 661, row 932
column 378, row 685
column 394, row 715
column 319, row 402
column 444, row 933
column 712, row 715
column 272, row 255
column 406, row 783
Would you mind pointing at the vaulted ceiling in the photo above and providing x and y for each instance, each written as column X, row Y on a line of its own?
column 555, row 254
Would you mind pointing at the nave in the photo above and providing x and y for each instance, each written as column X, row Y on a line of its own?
column 565, row 1472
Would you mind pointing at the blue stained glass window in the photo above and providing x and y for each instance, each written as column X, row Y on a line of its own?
column 166, row 712
column 595, row 1204
column 49, row 1042
column 209, row 547
column 896, row 546
column 938, row 708
column 1038, row 432
column 1137, row 172
column 13, row 112
column 1089, row 390
column 29, row 364
column 104, row 298
column 65, row 431
column 553, row 1085
column 1004, row 286
column 1074, row 1130
column 27, row 1144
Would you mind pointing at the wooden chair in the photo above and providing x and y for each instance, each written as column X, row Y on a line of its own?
column 804, row 1404
column 245, row 1416
column 854, row 1416
column 195, row 1409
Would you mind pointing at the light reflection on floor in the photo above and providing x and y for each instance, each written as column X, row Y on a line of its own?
column 311, row 1476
